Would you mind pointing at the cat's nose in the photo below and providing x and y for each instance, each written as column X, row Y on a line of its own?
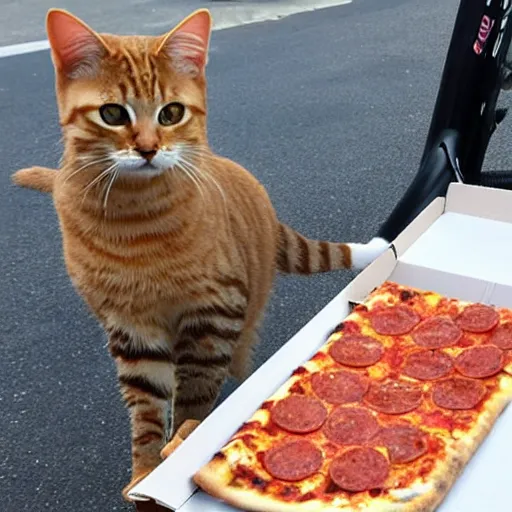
column 148, row 155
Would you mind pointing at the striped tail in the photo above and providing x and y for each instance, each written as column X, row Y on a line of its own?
column 299, row 255
column 37, row 178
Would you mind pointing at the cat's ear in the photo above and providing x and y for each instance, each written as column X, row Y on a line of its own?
column 76, row 49
column 187, row 44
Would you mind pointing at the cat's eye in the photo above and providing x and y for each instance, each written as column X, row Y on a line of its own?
column 114, row 115
column 171, row 114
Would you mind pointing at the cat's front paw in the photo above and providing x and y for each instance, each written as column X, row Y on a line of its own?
column 364, row 254
column 135, row 480
column 186, row 428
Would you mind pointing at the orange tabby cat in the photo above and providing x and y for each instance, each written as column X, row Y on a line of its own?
column 172, row 247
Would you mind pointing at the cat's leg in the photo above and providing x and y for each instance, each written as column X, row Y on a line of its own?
column 241, row 364
column 204, row 352
column 187, row 420
column 147, row 380
column 199, row 382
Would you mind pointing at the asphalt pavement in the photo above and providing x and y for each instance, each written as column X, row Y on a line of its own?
column 329, row 109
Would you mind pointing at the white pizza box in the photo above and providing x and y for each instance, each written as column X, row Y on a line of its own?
column 459, row 246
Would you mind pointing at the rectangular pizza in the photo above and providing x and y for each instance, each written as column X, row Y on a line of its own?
column 384, row 417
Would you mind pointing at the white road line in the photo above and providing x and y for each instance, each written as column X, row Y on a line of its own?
column 224, row 17
column 20, row 49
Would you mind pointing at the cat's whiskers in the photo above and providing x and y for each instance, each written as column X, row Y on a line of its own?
column 182, row 166
column 87, row 165
column 192, row 167
column 198, row 151
column 208, row 178
column 115, row 174
column 204, row 177
column 98, row 179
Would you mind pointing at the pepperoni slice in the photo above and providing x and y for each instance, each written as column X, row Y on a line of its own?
column 394, row 397
column 339, row 387
column 458, row 393
column 350, row 425
column 359, row 469
column 480, row 362
column 405, row 443
column 293, row 460
column 478, row 318
column 502, row 336
column 395, row 320
column 427, row 365
column 356, row 350
column 437, row 332
column 299, row 414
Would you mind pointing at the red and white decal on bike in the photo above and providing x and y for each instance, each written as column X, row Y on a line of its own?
column 483, row 34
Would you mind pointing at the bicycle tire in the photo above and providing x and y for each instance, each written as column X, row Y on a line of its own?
column 497, row 179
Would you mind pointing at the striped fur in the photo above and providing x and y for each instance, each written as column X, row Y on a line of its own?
column 297, row 254
column 176, row 266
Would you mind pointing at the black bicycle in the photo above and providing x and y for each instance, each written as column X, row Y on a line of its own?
column 465, row 116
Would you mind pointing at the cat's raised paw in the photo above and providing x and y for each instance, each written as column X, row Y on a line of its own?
column 364, row 254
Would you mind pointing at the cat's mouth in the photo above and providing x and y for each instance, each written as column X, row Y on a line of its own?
column 147, row 170
column 145, row 167
column 129, row 164
column 138, row 167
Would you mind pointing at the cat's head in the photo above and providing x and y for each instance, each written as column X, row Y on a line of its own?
column 136, row 103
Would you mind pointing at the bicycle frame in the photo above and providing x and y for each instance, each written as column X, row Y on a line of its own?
column 465, row 114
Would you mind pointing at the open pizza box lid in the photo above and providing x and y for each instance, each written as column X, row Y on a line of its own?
column 459, row 246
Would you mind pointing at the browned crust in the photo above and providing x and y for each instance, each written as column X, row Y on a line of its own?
column 214, row 479
column 461, row 451
column 215, row 476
